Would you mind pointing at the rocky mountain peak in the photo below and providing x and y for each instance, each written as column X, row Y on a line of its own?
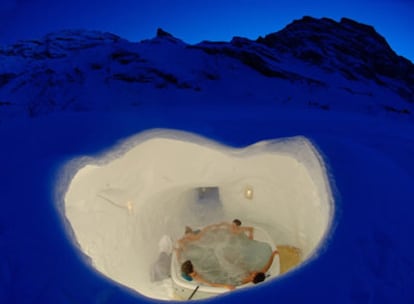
column 351, row 48
column 310, row 31
column 162, row 33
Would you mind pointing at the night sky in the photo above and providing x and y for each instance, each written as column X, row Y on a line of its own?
column 197, row 20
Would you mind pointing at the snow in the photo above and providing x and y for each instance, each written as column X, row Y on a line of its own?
column 367, row 257
column 126, row 76
column 112, row 207
column 59, row 115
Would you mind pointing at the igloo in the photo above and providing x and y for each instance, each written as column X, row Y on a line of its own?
column 122, row 206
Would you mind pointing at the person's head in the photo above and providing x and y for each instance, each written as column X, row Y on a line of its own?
column 237, row 222
column 259, row 277
column 187, row 267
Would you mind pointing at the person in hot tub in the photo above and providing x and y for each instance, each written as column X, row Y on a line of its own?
column 260, row 275
column 189, row 274
column 246, row 260
column 234, row 227
column 189, row 235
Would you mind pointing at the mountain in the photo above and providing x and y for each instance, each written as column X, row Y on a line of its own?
column 312, row 63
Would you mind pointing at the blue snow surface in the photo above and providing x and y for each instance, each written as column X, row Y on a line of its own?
column 367, row 258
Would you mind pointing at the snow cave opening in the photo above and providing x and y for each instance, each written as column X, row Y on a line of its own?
column 127, row 207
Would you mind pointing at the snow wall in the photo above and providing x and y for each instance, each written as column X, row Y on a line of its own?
column 120, row 205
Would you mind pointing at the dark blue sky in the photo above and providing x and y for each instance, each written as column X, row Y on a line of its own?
column 196, row 20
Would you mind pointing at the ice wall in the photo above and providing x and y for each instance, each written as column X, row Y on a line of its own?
column 121, row 208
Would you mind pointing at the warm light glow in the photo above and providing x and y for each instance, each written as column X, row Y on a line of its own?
column 129, row 207
column 248, row 192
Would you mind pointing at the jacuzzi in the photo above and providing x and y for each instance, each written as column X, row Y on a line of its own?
column 185, row 290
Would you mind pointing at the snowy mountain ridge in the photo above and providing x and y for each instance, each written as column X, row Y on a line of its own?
column 313, row 63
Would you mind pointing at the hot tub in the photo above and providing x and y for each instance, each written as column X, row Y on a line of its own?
column 184, row 289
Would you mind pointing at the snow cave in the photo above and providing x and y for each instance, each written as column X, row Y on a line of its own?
column 126, row 208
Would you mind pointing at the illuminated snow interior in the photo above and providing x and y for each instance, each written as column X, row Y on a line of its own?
column 119, row 208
